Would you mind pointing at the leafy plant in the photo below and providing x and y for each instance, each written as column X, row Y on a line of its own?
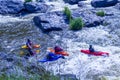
column 28, row 0
column 103, row 78
column 100, row 13
column 76, row 24
column 67, row 12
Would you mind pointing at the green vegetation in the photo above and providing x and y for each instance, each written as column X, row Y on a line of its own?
column 67, row 12
column 76, row 24
column 45, row 76
column 33, row 77
column 103, row 78
column 28, row 0
column 100, row 13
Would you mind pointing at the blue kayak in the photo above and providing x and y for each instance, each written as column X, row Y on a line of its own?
column 54, row 58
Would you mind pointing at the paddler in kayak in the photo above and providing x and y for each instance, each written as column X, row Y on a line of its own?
column 52, row 55
column 91, row 49
column 59, row 50
column 29, row 44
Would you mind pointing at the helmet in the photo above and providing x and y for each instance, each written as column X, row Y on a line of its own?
column 57, row 49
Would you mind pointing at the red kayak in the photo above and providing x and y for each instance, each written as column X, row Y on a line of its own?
column 96, row 53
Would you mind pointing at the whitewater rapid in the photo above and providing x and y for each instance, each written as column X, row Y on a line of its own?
column 84, row 67
column 87, row 67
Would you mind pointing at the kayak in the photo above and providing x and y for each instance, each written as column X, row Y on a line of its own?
column 54, row 59
column 62, row 53
column 36, row 51
column 96, row 53
column 34, row 46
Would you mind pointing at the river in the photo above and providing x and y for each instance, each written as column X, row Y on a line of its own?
column 15, row 30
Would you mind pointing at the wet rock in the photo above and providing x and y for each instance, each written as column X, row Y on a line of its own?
column 103, row 3
column 11, row 6
column 81, row 4
column 118, row 6
column 49, row 22
column 40, row 0
column 45, row 0
column 90, row 19
column 36, row 7
column 73, row 1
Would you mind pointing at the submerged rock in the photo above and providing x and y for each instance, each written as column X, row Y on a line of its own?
column 49, row 22
column 103, row 3
column 11, row 6
column 36, row 7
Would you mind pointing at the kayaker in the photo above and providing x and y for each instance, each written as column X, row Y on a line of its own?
column 51, row 55
column 57, row 49
column 91, row 49
column 29, row 44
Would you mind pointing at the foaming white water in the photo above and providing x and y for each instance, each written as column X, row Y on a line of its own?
column 60, row 4
column 6, row 19
column 86, row 67
column 83, row 66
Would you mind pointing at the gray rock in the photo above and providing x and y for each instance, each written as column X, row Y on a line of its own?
column 36, row 7
column 81, row 4
column 117, row 6
column 103, row 3
column 49, row 22
column 11, row 6
column 90, row 19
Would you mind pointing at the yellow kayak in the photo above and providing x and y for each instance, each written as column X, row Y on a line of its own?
column 36, row 51
column 34, row 46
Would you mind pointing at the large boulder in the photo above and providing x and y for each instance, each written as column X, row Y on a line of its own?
column 73, row 1
column 11, row 6
column 103, row 3
column 49, row 22
column 89, row 18
column 36, row 7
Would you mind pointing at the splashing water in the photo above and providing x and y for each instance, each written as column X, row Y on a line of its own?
column 83, row 66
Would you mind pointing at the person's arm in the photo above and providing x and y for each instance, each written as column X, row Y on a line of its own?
column 28, row 45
